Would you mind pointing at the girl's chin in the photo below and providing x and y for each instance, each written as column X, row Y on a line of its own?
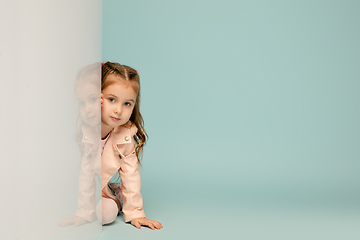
column 94, row 123
column 114, row 124
column 117, row 125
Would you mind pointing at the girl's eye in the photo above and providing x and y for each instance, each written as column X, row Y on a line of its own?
column 111, row 100
column 127, row 104
column 93, row 99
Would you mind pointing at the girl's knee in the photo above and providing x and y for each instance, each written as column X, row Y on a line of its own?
column 106, row 211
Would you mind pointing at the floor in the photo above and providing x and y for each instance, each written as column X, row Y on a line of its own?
column 241, row 220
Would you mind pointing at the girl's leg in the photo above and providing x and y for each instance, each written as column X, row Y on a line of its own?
column 106, row 210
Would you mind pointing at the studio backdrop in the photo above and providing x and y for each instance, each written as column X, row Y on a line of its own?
column 248, row 105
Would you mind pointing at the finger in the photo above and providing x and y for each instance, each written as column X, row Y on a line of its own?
column 136, row 224
column 150, row 225
column 64, row 222
column 77, row 223
column 157, row 225
column 157, row 222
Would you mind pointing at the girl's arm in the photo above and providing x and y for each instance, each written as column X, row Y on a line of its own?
column 130, row 186
column 87, row 188
column 132, row 198
column 86, row 197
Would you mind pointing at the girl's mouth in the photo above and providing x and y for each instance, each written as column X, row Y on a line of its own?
column 115, row 119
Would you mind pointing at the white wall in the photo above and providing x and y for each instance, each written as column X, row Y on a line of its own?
column 43, row 45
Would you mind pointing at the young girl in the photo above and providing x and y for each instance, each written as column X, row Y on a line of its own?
column 123, row 137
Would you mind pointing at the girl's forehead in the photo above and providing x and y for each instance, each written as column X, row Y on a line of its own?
column 119, row 85
column 118, row 89
column 86, row 89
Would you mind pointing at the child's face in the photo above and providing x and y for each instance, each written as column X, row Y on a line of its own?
column 89, row 103
column 119, row 102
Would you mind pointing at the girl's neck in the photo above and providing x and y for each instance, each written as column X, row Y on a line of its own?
column 105, row 130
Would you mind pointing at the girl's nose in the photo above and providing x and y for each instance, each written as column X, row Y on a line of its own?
column 117, row 110
column 87, row 108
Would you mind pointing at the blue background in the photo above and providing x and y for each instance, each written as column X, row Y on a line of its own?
column 252, row 109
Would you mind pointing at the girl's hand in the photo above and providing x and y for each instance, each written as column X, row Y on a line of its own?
column 76, row 221
column 102, row 99
column 138, row 222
